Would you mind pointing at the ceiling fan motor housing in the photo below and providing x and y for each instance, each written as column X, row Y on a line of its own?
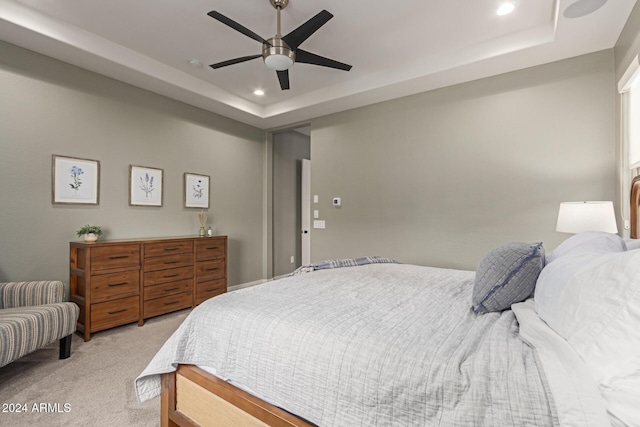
column 277, row 55
column 279, row 4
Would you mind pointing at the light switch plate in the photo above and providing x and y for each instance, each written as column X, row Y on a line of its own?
column 319, row 224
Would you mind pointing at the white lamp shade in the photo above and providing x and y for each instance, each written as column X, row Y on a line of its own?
column 576, row 217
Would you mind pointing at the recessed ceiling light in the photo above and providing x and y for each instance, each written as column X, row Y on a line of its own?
column 505, row 9
column 258, row 92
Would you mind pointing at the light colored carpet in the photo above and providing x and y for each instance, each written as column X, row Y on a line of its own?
column 94, row 387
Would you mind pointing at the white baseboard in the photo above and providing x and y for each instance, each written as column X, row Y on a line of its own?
column 255, row 282
column 247, row 285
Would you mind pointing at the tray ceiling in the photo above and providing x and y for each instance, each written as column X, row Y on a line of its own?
column 396, row 49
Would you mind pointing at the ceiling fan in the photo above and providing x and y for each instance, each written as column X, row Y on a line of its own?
column 281, row 52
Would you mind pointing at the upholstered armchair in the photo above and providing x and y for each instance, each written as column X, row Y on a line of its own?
column 33, row 315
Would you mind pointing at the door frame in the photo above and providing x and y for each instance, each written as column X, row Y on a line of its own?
column 268, row 205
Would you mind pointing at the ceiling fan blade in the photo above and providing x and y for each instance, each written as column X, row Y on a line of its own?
column 283, row 77
column 300, row 34
column 233, row 61
column 311, row 58
column 233, row 24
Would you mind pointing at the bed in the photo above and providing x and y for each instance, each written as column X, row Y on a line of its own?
column 371, row 342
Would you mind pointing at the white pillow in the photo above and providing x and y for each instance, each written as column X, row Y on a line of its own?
column 588, row 242
column 632, row 244
column 593, row 301
column 562, row 263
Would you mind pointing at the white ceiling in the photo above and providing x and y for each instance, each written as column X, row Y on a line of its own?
column 396, row 49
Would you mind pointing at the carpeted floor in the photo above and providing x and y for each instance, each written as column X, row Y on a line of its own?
column 94, row 387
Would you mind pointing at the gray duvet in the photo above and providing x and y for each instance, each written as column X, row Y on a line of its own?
column 372, row 345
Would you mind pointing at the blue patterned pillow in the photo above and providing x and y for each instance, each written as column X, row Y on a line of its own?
column 507, row 275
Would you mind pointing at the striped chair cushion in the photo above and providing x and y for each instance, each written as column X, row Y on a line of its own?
column 25, row 329
column 19, row 294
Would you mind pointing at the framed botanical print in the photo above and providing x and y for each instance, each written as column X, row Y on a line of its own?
column 145, row 186
column 196, row 191
column 75, row 180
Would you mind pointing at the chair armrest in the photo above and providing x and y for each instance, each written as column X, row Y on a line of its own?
column 21, row 294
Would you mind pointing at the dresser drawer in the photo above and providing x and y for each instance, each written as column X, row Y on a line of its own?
column 206, row 290
column 114, row 256
column 115, row 285
column 165, row 262
column 210, row 248
column 210, row 270
column 168, row 248
column 164, row 289
column 114, row 313
column 164, row 276
column 168, row 304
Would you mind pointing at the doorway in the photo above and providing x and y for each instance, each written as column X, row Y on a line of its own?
column 290, row 148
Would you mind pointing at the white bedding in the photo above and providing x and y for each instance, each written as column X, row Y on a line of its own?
column 578, row 401
column 577, row 398
column 380, row 345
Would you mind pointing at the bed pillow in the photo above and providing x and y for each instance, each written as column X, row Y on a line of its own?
column 594, row 304
column 588, row 242
column 632, row 244
column 563, row 262
column 507, row 275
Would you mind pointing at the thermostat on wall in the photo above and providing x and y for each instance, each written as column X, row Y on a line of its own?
column 337, row 202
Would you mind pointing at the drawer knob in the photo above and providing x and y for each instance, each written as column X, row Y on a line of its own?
column 171, row 262
column 172, row 302
column 212, row 248
column 118, row 311
column 170, row 275
column 212, row 269
column 171, row 249
column 118, row 256
column 172, row 289
column 213, row 289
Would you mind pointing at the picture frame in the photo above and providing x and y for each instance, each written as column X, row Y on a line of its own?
column 75, row 180
column 146, row 185
column 196, row 190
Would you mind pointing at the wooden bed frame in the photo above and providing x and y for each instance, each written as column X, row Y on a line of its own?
column 193, row 397
column 635, row 204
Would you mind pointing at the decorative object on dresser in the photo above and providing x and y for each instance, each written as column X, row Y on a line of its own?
column 90, row 233
column 202, row 219
column 116, row 282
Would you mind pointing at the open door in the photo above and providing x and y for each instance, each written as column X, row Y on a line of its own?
column 305, row 210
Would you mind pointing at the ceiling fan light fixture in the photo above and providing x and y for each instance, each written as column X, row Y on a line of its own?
column 277, row 55
column 278, row 62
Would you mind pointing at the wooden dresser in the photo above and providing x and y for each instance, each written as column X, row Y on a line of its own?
column 116, row 282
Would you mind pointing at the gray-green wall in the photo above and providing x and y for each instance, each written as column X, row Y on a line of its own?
column 442, row 177
column 49, row 107
column 437, row 178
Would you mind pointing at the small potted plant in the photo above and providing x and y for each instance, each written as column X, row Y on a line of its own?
column 90, row 232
